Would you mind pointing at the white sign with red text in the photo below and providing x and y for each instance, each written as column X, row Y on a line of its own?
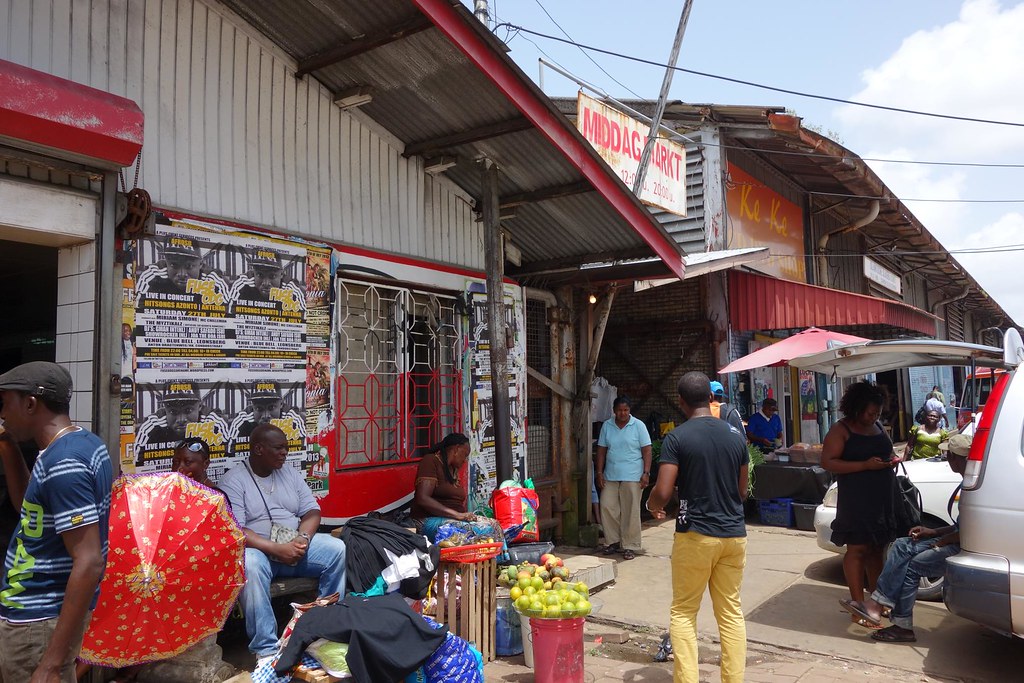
column 620, row 141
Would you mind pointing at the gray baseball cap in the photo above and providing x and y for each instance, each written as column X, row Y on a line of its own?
column 39, row 378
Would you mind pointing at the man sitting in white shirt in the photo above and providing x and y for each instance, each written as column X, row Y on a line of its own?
column 271, row 502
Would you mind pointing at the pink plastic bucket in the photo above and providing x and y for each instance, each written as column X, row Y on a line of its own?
column 557, row 650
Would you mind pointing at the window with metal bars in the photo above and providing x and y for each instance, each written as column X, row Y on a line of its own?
column 399, row 370
column 538, row 355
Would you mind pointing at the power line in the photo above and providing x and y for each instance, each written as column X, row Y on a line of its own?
column 840, row 157
column 762, row 86
column 909, row 199
column 585, row 54
column 1001, row 249
column 513, row 32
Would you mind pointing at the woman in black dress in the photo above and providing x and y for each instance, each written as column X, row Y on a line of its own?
column 859, row 452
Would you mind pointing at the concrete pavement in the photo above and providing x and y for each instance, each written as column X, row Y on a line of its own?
column 795, row 628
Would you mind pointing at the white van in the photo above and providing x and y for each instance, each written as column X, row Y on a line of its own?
column 985, row 581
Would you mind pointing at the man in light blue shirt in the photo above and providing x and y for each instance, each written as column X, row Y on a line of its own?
column 623, row 470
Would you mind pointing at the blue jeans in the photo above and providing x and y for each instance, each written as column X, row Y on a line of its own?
column 325, row 558
column 907, row 562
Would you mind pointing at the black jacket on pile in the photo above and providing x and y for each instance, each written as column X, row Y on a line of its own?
column 365, row 541
column 386, row 640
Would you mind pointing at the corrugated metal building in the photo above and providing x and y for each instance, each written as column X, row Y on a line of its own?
column 340, row 124
column 767, row 152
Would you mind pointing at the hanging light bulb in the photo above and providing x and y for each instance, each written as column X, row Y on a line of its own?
column 593, row 298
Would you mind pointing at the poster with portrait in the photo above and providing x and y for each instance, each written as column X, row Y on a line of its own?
column 318, row 296
column 216, row 337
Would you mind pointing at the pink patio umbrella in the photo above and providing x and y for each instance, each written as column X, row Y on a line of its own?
column 811, row 340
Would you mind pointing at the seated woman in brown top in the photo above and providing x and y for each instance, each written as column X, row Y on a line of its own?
column 439, row 496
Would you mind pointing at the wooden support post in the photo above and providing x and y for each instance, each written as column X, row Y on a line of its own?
column 581, row 421
column 566, row 444
column 495, row 267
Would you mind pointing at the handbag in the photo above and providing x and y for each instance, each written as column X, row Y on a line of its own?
column 906, row 503
column 282, row 534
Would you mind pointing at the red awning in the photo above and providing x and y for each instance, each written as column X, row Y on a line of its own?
column 759, row 302
column 58, row 114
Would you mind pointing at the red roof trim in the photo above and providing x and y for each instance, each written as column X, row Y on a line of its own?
column 758, row 302
column 554, row 127
column 53, row 112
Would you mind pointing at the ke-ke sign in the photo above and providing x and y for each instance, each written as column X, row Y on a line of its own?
column 620, row 141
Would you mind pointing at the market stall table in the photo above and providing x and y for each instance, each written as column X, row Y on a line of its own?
column 801, row 482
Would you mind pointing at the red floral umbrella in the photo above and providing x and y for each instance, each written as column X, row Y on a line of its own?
column 174, row 569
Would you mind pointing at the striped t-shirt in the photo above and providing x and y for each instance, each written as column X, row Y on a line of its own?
column 69, row 489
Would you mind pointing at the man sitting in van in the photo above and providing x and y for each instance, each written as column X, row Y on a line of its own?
column 923, row 553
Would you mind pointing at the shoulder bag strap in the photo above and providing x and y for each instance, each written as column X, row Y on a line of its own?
column 259, row 491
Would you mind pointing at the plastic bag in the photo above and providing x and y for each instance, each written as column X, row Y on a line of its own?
column 331, row 656
column 664, row 650
column 517, row 505
column 455, row 533
column 297, row 611
column 455, row 661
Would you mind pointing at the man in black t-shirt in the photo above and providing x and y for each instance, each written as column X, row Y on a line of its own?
column 708, row 464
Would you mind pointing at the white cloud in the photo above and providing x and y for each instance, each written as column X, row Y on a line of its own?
column 997, row 273
column 968, row 67
column 913, row 181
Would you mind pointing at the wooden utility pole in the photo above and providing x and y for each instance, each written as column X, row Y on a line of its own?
column 659, row 109
column 494, row 259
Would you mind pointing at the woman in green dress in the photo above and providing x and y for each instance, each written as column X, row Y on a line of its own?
column 925, row 438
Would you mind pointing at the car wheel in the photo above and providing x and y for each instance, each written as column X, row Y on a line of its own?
column 930, row 588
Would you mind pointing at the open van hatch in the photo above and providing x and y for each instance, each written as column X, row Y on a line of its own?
column 850, row 360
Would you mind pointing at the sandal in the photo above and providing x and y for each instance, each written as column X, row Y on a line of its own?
column 628, row 554
column 857, row 609
column 894, row 634
column 864, row 623
column 610, row 549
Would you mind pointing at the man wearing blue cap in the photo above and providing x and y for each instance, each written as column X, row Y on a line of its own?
column 723, row 410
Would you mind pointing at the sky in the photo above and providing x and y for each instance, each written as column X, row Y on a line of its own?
column 953, row 57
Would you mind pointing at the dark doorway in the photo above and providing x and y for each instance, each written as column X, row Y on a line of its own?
column 28, row 307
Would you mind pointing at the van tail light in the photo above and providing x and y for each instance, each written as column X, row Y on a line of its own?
column 982, row 432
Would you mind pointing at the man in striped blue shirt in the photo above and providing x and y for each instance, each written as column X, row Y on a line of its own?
column 58, row 553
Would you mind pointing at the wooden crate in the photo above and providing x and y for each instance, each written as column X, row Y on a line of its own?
column 473, row 617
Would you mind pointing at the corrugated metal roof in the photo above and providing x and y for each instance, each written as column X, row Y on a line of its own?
column 820, row 165
column 426, row 85
column 759, row 302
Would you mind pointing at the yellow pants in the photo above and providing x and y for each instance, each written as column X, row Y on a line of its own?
column 700, row 561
